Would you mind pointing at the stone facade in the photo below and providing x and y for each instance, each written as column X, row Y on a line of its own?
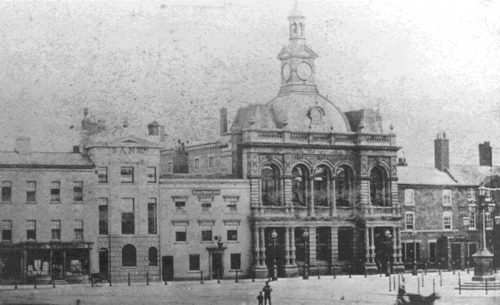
column 48, row 214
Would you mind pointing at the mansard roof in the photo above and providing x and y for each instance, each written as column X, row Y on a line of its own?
column 254, row 117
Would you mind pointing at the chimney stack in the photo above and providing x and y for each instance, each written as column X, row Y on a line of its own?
column 485, row 154
column 402, row 162
column 441, row 152
column 23, row 145
column 223, row 121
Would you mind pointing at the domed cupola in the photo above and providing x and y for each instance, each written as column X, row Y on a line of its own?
column 299, row 106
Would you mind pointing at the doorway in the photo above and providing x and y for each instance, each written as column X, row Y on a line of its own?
column 456, row 256
column 57, row 264
column 168, row 268
column 103, row 262
column 472, row 251
column 217, row 266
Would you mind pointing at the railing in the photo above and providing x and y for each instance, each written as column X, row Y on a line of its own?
column 321, row 138
column 376, row 210
column 344, row 212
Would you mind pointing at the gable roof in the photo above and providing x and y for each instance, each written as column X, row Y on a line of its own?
column 423, row 176
column 45, row 160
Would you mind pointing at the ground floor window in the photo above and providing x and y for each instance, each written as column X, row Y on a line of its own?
column 323, row 241
column 345, row 235
column 11, row 265
column 410, row 252
column 235, row 261
column 194, row 262
column 38, row 262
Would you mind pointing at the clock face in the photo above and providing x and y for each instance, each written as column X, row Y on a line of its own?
column 304, row 71
column 286, row 72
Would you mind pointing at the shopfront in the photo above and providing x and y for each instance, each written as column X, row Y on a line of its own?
column 29, row 262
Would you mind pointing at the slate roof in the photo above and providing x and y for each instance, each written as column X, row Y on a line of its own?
column 45, row 160
column 253, row 117
column 459, row 175
column 423, row 176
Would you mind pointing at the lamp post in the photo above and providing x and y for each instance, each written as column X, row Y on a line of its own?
column 305, row 274
column 388, row 244
column 414, row 234
column 483, row 258
column 274, row 235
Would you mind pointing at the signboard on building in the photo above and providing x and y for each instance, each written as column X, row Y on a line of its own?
column 206, row 192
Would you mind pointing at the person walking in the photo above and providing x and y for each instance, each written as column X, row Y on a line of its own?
column 260, row 298
column 267, row 293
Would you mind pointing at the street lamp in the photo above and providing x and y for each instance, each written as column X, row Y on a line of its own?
column 274, row 235
column 388, row 244
column 305, row 274
column 483, row 258
column 414, row 234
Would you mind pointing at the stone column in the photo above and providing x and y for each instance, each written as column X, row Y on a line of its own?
column 394, row 246
column 287, row 193
column 311, row 201
column 367, row 245
column 292, row 248
column 287, row 245
column 262, row 246
column 64, row 262
column 364, row 194
column 312, row 246
column 400, row 254
column 372, row 245
column 335, row 245
column 333, row 211
column 256, row 246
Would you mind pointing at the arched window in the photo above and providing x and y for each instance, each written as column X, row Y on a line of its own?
column 294, row 30
column 129, row 257
column 299, row 185
column 301, row 30
column 153, row 256
column 321, row 185
column 270, row 185
column 343, row 186
column 379, row 187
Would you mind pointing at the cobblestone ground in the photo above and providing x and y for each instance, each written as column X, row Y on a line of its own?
column 342, row 290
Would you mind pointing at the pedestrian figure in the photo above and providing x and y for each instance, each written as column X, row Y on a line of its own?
column 267, row 293
column 260, row 298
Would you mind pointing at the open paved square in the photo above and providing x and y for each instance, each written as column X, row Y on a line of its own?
column 327, row 290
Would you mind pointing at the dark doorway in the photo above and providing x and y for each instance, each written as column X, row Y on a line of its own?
column 217, row 266
column 103, row 262
column 456, row 256
column 472, row 251
column 442, row 252
column 57, row 264
column 168, row 268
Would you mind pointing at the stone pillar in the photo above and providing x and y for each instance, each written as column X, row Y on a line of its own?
column 51, row 255
column 372, row 245
column 292, row 248
column 312, row 246
column 394, row 246
column 290, row 267
column 256, row 247
column 260, row 252
column 287, row 193
column 371, row 267
column 398, row 266
column 335, row 245
column 364, row 194
column 368, row 244
column 25, row 264
column 333, row 211
column 311, row 202
column 394, row 198
column 64, row 263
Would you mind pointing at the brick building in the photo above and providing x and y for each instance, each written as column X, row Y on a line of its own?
column 435, row 200
column 48, row 213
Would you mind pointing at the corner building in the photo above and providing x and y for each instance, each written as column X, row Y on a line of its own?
column 310, row 168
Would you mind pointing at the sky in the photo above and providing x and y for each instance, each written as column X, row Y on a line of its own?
column 428, row 66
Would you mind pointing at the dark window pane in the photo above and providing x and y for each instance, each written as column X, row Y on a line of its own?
column 128, row 223
column 270, row 186
column 103, row 220
column 153, row 256
column 206, row 235
column 235, row 261
column 345, row 244
column 194, row 262
column 152, row 217
column 323, row 240
column 232, row 234
column 31, row 234
column 7, row 235
column 30, row 196
column 180, row 236
column 129, row 256
column 6, row 193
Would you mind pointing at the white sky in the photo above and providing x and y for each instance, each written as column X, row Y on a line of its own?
column 431, row 66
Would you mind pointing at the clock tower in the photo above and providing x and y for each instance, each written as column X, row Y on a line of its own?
column 297, row 59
